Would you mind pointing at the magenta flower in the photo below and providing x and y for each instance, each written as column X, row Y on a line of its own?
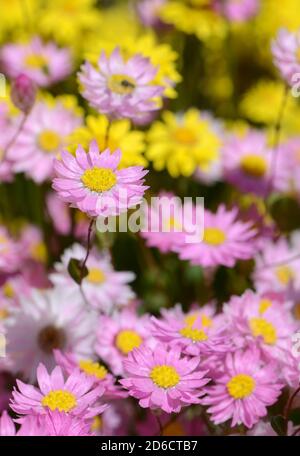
column 76, row 395
column 70, row 362
column 118, row 335
column 92, row 183
column 198, row 332
column 121, row 89
column 44, row 63
column 247, row 162
column 45, row 132
column 23, row 93
column 286, row 54
column 161, row 378
column 263, row 321
column 225, row 240
column 243, row 390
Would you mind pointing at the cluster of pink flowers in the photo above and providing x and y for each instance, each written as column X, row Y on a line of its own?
column 189, row 324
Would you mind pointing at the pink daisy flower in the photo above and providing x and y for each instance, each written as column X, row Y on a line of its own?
column 265, row 322
column 10, row 252
column 104, row 288
column 92, row 183
column 197, row 332
column 118, row 88
column 45, row 132
column 59, row 213
column 162, row 379
column 54, row 424
column 92, row 368
column 286, row 53
column 225, row 240
column 43, row 63
column 76, row 395
column 243, row 391
column 238, row 10
column 118, row 335
column 284, row 275
column 45, row 322
column 246, row 162
column 164, row 220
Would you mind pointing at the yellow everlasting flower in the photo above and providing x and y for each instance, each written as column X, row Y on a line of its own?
column 182, row 143
column 16, row 15
column 116, row 135
column 194, row 17
column 70, row 21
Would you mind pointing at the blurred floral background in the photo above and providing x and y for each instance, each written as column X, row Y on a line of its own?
column 143, row 333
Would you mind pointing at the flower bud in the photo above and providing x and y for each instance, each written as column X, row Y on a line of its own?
column 23, row 93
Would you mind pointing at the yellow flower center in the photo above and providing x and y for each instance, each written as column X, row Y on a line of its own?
column 185, row 136
column 190, row 319
column 97, row 423
column 36, row 61
column 95, row 276
column 263, row 328
column 64, row 401
column 241, row 386
column 39, row 252
column 214, row 236
column 3, row 314
column 91, row 368
column 284, row 274
column 264, row 305
column 121, row 84
column 8, row 290
column 254, row 165
column 164, row 376
column 99, row 179
column 49, row 141
column 127, row 340
column 196, row 335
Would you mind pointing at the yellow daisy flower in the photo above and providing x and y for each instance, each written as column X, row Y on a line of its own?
column 194, row 17
column 70, row 21
column 116, row 135
column 182, row 143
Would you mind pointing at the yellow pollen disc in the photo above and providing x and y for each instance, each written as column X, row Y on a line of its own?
column 264, row 305
column 174, row 429
column 196, row 335
column 127, row 340
column 185, row 136
column 8, row 290
column 296, row 311
column 64, row 401
column 206, row 321
column 262, row 328
column 39, row 252
column 36, row 61
column 121, row 84
column 92, row 368
column 97, row 423
column 190, row 319
column 284, row 274
column 49, row 141
column 3, row 314
column 214, row 236
column 241, row 386
column 95, row 276
column 99, row 179
column 254, row 165
column 164, row 376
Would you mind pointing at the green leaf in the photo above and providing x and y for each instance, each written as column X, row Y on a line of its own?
column 279, row 425
column 294, row 416
column 76, row 271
